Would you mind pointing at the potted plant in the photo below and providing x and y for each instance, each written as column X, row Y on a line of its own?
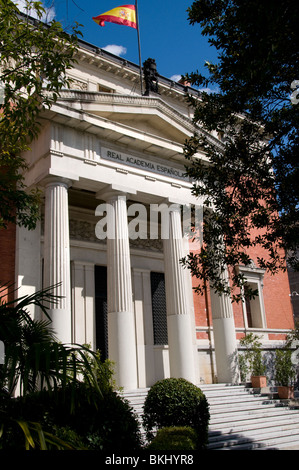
column 284, row 373
column 258, row 373
column 251, row 361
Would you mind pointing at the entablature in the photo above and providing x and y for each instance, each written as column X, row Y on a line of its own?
column 149, row 117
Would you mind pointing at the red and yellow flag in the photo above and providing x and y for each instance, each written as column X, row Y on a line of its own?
column 124, row 14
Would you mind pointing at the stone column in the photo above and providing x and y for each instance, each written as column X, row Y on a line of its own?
column 121, row 320
column 179, row 321
column 57, row 256
column 225, row 342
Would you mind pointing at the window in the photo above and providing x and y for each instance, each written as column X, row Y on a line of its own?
column 104, row 89
column 159, row 308
column 101, row 310
column 253, row 308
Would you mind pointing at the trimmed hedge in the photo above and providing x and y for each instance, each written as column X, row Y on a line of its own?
column 176, row 402
column 177, row 438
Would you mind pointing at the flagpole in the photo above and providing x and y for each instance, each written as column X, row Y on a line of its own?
column 138, row 34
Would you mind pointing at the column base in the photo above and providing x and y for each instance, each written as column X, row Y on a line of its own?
column 61, row 324
column 181, row 348
column 226, row 351
column 122, row 348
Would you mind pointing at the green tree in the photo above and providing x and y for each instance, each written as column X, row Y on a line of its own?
column 35, row 57
column 56, row 396
column 35, row 362
column 251, row 181
column 33, row 358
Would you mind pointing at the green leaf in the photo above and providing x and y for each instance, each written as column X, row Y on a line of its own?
column 29, row 441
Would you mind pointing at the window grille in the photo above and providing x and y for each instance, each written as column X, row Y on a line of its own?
column 159, row 308
column 101, row 310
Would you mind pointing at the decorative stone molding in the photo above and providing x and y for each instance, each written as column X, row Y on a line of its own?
column 78, row 84
column 137, row 101
column 84, row 230
column 147, row 244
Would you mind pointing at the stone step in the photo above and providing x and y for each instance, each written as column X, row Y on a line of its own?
column 221, row 411
column 216, row 402
column 247, row 416
column 260, row 422
column 243, row 442
column 242, row 418
column 275, row 435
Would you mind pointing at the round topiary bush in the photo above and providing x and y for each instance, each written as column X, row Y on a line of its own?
column 176, row 402
column 177, row 438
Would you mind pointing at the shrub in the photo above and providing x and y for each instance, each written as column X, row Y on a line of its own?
column 251, row 360
column 285, row 373
column 176, row 402
column 175, row 438
column 93, row 423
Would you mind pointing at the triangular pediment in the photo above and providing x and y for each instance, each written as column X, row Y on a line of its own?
column 145, row 124
column 150, row 124
column 149, row 115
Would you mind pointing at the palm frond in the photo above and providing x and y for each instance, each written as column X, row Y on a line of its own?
column 34, row 359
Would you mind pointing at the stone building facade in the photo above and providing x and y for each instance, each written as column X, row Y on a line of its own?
column 109, row 157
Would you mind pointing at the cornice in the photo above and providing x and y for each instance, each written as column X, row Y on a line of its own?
column 115, row 99
column 130, row 71
column 144, row 102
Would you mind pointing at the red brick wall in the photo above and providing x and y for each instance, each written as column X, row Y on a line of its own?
column 202, row 310
column 7, row 257
column 279, row 312
column 278, row 307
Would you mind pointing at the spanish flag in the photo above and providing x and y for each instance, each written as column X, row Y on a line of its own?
column 124, row 14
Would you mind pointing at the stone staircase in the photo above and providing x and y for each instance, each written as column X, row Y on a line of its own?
column 243, row 418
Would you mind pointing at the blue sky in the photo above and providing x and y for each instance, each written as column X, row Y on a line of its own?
column 165, row 33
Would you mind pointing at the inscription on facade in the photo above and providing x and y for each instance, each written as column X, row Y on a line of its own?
column 144, row 164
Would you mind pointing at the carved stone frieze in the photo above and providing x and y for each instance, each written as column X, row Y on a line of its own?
column 78, row 84
column 147, row 244
column 85, row 230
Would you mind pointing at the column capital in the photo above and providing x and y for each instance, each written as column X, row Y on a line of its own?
column 56, row 181
column 176, row 202
column 112, row 191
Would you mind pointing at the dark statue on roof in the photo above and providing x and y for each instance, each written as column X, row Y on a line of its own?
column 150, row 76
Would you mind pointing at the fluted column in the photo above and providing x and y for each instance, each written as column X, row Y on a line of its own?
column 57, row 256
column 225, row 342
column 121, row 321
column 179, row 321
